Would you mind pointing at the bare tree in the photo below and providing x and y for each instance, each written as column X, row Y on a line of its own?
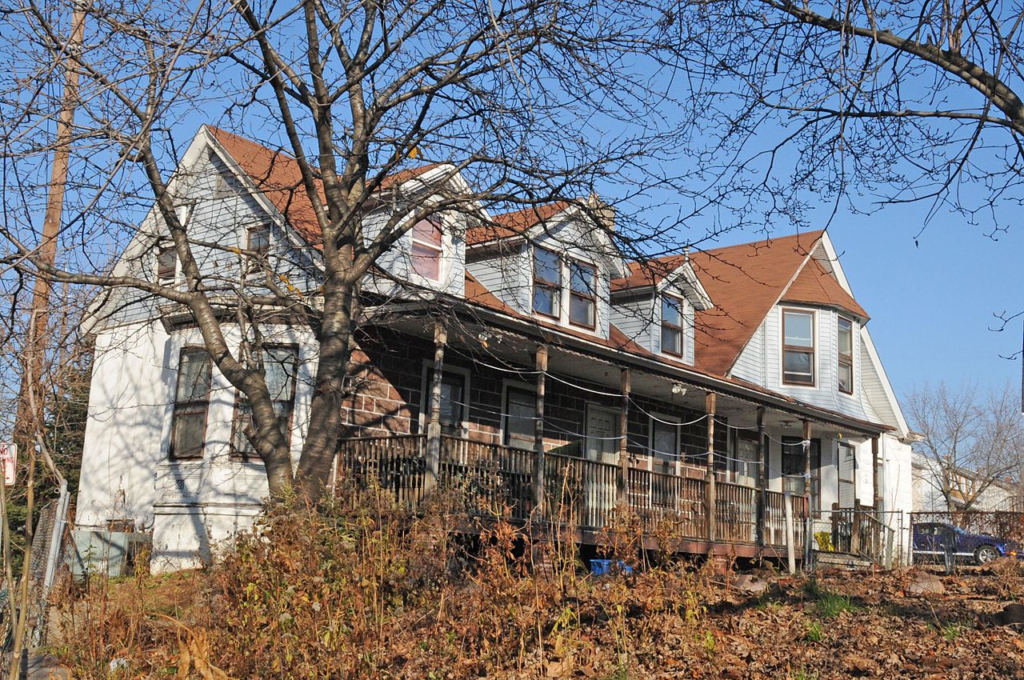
column 969, row 442
column 869, row 103
column 517, row 98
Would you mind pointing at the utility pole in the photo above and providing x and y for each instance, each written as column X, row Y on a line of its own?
column 29, row 418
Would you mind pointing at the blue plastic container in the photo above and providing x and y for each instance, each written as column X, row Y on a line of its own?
column 609, row 568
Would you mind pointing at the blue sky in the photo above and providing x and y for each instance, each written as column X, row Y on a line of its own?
column 932, row 304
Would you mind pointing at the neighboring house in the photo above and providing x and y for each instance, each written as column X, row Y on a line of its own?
column 717, row 367
column 980, row 492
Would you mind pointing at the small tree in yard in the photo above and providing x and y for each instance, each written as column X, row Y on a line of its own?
column 969, row 442
column 517, row 97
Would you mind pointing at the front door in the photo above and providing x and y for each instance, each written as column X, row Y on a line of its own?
column 847, row 476
column 602, row 435
column 602, row 446
column 745, row 464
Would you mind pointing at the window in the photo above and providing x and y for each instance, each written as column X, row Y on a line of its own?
column 166, row 264
column 547, row 282
column 798, row 347
column 521, row 421
column 191, row 401
column 845, row 355
column 671, row 326
column 427, row 242
column 793, row 468
column 280, row 364
column 581, row 294
column 258, row 239
column 664, row 441
column 453, row 390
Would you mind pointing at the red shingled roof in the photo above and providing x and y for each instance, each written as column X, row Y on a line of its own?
column 277, row 175
column 514, row 223
column 745, row 281
column 814, row 285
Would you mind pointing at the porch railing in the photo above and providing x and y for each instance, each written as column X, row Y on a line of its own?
column 493, row 480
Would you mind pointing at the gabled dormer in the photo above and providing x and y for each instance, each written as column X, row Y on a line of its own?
column 553, row 262
column 655, row 306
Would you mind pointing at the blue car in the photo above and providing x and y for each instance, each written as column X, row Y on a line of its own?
column 933, row 540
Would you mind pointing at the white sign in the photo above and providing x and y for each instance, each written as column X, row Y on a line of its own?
column 9, row 459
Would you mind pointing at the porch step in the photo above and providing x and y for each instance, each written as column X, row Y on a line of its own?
column 840, row 560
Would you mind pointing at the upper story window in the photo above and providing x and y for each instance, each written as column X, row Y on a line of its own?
column 427, row 247
column 671, row 325
column 258, row 239
column 845, row 342
column 166, row 264
column 798, row 347
column 547, row 282
column 581, row 294
column 280, row 363
column 191, row 403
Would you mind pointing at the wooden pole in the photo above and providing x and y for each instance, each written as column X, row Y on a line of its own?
column 876, row 483
column 623, row 485
column 762, row 480
column 27, row 419
column 538, row 459
column 808, row 494
column 434, row 426
column 709, row 408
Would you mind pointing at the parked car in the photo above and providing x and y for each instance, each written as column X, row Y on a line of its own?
column 933, row 540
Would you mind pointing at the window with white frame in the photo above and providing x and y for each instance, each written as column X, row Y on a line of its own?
column 797, row 347
column 582, row 296
column 280, row 364
column 671, row 325
column 191, row 404
column 547, row 282
column 845, row 346
column 166, row 264
column 258, row 239
column 427, row 248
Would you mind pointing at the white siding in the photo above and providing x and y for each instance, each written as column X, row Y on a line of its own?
column 507, row 276
column 750, row 364
column 125, row 470
column 635, row 319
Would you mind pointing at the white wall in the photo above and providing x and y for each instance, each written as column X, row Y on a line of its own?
column 125, row 470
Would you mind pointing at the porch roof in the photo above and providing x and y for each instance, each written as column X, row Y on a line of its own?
column 620, row 349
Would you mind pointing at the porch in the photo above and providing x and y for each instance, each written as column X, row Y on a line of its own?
column 699, row 513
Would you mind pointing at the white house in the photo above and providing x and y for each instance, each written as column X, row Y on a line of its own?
column 702, row 386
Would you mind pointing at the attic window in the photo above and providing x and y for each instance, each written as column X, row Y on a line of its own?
column 547, row 282
column 166, row 264
column 671, row 325
column 258, row 239
column 427, row 242
column 845, row 355
column 581, row 294
column 798, row 347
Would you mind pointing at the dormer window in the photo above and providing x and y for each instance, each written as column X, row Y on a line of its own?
column 427, row 246
column 581, row 294
column 547, row 282
column 845, row 355
column 671, row 325
column 166, row 265
column 798, row 347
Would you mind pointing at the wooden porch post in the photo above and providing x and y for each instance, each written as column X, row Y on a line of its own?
column 434, row 426
column 808, row 494
column 538, row 459
column 710, row 402
column 876, row 483
column 623, row 485
column 762, row 479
